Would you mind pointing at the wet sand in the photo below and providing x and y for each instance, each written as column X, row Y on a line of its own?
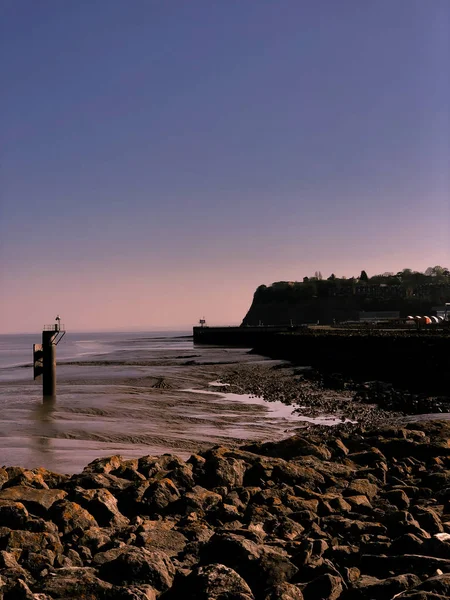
column 135, row 403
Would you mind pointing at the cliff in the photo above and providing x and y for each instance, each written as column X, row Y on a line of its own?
column 283, row 303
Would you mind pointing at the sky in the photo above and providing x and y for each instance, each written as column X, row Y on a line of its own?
column 160, row 159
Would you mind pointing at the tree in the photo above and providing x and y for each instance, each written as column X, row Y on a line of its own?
column 332, row 277
column 363, row 277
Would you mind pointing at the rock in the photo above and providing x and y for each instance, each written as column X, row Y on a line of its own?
column 361, row 487
column 199, row 499
column 91, row 481
column 325, row 587
column 439, row 584
column 214, row 582
column 160, row 535
column 30, row 541
column 139, row 566
column 260, row 565
column 297, row 474
column 359, row 504
column 24, row 477
column 136, row 592
column 398, row 498
column 284, row 591
column 367, row 457
column 383, row 566
column 37, row 501
column 76, row 582
column 70, row 517
column 13, row 514
column 159, row 495
column 94, row 538
column 428, row 519
column 104, row 465
column 102, row 505
column 19, row 591
column 377, row 589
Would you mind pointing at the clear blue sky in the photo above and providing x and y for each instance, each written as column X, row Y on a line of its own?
column 161, row 159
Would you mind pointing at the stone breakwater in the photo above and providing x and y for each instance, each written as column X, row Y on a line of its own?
column 350, row 514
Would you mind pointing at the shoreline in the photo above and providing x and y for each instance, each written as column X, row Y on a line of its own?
column 348, row 515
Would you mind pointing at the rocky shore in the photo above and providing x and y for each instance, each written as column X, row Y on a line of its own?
column 356, row 513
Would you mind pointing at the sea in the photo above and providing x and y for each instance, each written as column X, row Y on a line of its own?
column 123, row 393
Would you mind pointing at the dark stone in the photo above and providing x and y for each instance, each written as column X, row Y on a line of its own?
column 214, row 582
column 139, row 566
column 325, row 587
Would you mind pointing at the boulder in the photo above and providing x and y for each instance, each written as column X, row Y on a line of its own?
column 260, row 565
column 325, row 587
column 134, row 566
column 37, row 501
column 160, row 535
column 102, row 505
column 379, row 589
column 13, row 514
column 70, row 517
column 283, row 591
column 159, row 495
column 76, row 582
column 215, row 581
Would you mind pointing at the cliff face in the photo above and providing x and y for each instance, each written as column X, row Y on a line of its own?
column 325, row 301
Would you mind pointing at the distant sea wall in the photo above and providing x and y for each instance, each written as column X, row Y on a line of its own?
column 419, row 361
column 414, row 360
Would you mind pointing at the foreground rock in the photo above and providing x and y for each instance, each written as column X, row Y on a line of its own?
column 351, row 513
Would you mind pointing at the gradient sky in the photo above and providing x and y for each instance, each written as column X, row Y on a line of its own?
column 160, row 159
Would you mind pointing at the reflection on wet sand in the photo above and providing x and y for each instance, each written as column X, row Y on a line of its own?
column 44, row 428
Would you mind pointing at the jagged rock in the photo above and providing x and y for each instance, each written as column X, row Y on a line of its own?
column 214, row 582
column 407, row 543
column 367, row 457
column 223, row 471
column 92, row 480
column 325, row 587
column 428, row 519
column 13, row 514
column 439, row 584
column 30, row 541
column 17, row 476
column 160, row 535
column 159, row 495
column 199, row 499
column 260, row 565
column 359, row 504
column 379, row 589
column 297, row 474
column 104, row 465
column 401, row 522
column 384, row 566
column 102, row 505
column 95, row 538
column 19, row 591
column 139, row 566
column 76, row 582
column 342, row 526
column 398, row 498
column 37, row 562
column 37, row 501
column 149, row 466
column 361, row 487
column 70, row 517
column 284, row 591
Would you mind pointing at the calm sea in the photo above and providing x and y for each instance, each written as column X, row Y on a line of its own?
column 16, row 350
